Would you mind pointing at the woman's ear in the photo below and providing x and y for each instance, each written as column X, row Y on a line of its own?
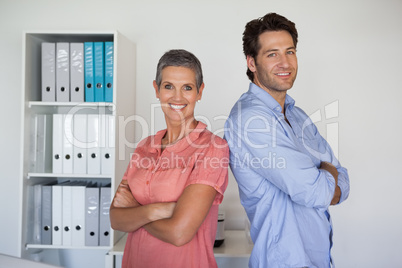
column 200, row 91
column 156, row 89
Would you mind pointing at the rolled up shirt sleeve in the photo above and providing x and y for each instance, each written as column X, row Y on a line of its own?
column 328, row 155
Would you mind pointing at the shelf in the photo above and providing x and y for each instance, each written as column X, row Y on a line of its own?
column 52, row 175
column 39, row 246
column 72, row 107
column 73, row 36
column 70, row 104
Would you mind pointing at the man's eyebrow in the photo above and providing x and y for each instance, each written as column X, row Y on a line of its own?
column 276, row 49
column 270, row 50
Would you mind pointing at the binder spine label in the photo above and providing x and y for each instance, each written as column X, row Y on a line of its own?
column 48, row 72
column 99, row 69
column 63, row 72
column 89, row 72
column 109, row 58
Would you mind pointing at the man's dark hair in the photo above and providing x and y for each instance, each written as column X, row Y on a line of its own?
column 253, row 30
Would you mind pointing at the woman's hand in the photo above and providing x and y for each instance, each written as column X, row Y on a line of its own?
column 190, row 211
column 127, row 215
column 123, row 197
column 163, row 210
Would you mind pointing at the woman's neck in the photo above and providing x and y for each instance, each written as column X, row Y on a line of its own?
column 176, row 132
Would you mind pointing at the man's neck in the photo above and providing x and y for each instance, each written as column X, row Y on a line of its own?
column 279, row 96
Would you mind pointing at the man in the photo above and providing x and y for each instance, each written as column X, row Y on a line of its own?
column 287, row 173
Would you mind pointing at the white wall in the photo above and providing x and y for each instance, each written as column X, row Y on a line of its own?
column 349, row 51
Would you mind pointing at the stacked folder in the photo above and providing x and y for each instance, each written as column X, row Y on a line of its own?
column 41, row 143
column 71, row 214
column 77, row 72
column 83, row 144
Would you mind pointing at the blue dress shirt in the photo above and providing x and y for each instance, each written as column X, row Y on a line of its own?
column 285, row 194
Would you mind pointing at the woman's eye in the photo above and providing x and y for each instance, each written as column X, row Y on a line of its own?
column 168, row 87
column 188, row 88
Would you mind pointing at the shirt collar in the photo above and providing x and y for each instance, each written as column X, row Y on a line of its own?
column 181, row 144
column 269, row 101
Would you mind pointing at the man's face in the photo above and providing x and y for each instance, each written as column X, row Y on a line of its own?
column 275, row 67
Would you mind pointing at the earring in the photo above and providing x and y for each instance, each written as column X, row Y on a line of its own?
column 157, row 99
column 199, row 101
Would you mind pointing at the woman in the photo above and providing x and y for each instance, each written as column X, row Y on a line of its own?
column 169, row 196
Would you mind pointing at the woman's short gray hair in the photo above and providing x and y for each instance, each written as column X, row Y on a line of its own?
column 179, row 58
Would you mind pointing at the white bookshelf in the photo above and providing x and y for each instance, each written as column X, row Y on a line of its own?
column 121, row 108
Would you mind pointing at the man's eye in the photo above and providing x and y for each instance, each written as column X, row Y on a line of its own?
column 271, row 55
column 291, row 52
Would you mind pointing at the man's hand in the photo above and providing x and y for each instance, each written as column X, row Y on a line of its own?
column 337, row 196
column 331, row 169
column 123, row 197
column 334, row 172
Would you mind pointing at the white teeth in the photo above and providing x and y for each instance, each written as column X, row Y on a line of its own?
column 177, row 107
column 283, row 74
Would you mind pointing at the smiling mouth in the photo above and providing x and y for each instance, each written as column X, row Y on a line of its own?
column 283, row 74
column 177, row 107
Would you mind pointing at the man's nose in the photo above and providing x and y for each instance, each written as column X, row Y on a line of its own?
column 283, row 61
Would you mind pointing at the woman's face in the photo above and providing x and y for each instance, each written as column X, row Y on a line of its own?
column 178, row 94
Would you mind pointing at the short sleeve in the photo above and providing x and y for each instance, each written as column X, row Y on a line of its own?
column 211, row 168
